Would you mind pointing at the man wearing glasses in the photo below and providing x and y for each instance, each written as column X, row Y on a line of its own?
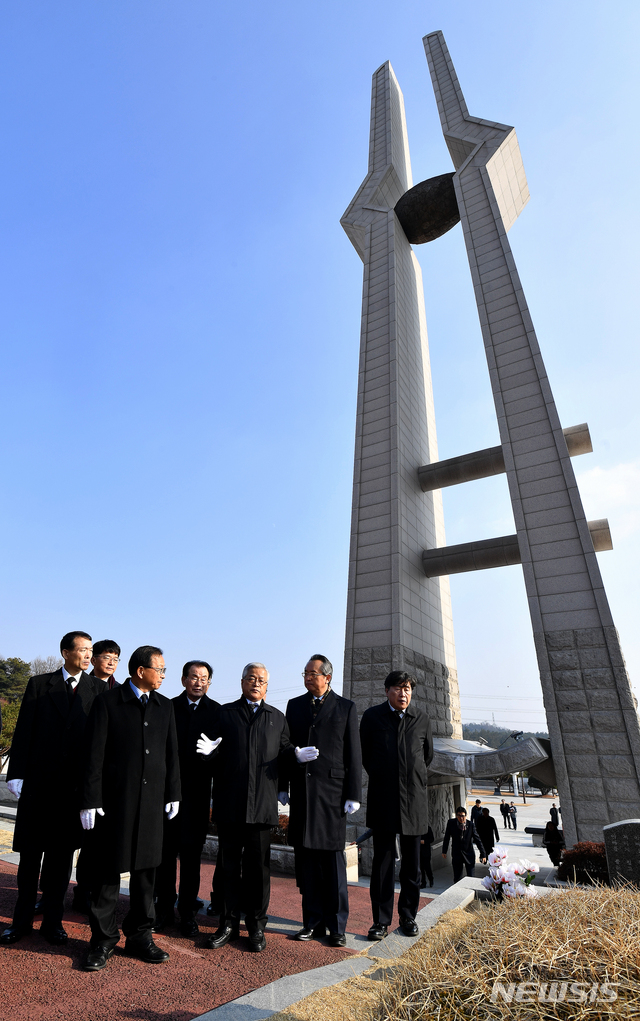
column 326, row 786
column 105, row 659
column 396, row 749
column 253, row 739
column 132, row 780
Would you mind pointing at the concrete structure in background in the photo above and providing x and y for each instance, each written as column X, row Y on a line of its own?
column 399, row 614
column 397, row 618
column 593, row 723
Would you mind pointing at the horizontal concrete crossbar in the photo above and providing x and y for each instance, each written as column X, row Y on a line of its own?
column 483, row 463
column 502, row 551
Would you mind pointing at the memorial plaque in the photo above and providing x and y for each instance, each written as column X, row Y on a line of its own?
column 622, row 843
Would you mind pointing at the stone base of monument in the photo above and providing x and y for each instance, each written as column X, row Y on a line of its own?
column 622, row 845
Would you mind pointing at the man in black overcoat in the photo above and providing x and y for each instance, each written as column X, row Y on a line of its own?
column 325, row 785
column 253, row 738
column 397, row 747
column 45, row 773
column 132, row 779
column 463, row 835
column 185, row 835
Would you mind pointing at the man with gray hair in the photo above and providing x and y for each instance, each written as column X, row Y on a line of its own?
column 253, row 740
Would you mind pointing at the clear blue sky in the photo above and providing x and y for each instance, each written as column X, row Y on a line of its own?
column 180, row 315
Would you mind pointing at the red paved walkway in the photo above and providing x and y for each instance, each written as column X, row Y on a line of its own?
column 44, row 982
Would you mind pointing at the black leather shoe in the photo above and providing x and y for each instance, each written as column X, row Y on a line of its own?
column 213, row 910
column 163, row 922
column 306, row 934
column 257, row 941
column 12, row 934
column 148, row 952
column 97, row 958
column 189, row 928
column 377, row 931
column 56, row 936
column 221, row 937
column 408, row 927
column 337, row 939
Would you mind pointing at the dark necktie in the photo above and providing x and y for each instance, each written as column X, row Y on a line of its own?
column 143, row 701
column 70, row 691
column 193, row 707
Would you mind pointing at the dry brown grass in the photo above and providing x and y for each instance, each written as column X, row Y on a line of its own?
column 577, row 936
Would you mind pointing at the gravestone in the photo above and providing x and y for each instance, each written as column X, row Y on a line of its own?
column 622, row 844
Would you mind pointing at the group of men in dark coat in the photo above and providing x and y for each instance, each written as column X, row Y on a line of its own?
column 134, row 774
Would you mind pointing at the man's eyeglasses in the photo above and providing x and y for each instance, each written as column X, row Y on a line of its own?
column 313, row 673
column 162, row 672
column 255, row 680
column 109, row 660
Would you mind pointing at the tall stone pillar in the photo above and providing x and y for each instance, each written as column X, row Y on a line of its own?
column 396, row 617
column 593, row 723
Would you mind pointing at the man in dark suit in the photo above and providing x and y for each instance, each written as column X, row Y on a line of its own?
column 487, row 830
column 45, row 773
column 325, row 786
column 252, row 736
column 463, row 835
column 185, row 835
column 105, row 659
column 396, row 749
column 132, row 779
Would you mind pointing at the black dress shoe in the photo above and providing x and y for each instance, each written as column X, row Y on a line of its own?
column 213, row 910
column 97, row 958
column 257, row 941
column 337, row 939
column 148, row 952
column 56, row 936
column 306, row 934
column 12, row 934
column 163, row 920
column 221, row 937
column 189, row 928
column 408, row 927
column 377, row 931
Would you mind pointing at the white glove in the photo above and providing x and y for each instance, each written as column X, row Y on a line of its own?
column 283, row 798
column 205, row 745
column 172, row 809
column 88, row 817
column 307, row 754
column 15, row 786
column 351, row 806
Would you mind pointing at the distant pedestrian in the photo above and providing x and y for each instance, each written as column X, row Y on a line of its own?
column 504, row 811
column 553, row 840
column 426, row 872
column 476, row 811
column 513, row 813
column 553, row 812
column 487, row 830
column 463, row 835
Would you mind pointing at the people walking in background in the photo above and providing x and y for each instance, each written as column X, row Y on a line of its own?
column 513, row 815
column 324, row 782
column 426, row 872
column 506, row 818
column 487, row 830
column 397, row 747
column 45, row 774
column 553, row 840
column 553, row 812
column 184, row 835
column 131, row 781
column 462, row 835
column 476, row 811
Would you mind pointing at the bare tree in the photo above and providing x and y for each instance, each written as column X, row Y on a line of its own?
column 46, row 665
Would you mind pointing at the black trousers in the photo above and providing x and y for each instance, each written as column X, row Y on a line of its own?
column 322, row 876
column 137, row 924
column 426, row 871
column 176, row 844
column 382, row 884
column 246, row 881
column 56, row 870
column 459, row 866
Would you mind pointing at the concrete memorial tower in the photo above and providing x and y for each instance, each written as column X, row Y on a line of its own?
column 397, row 618
column 398, row 614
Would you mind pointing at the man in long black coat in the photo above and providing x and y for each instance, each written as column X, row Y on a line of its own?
column 184, row 836
column 462, row 834
column 253, row 738
column 132, row 779
column 397, row 747
column 45, row 771
column 325, row 785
